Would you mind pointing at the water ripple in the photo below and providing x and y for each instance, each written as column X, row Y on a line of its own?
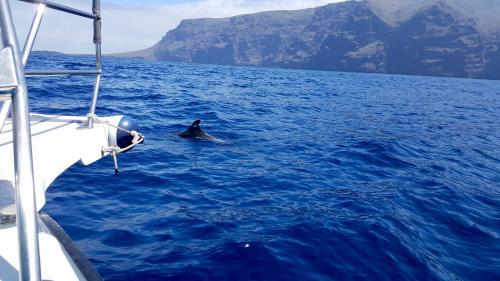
column 322, row 176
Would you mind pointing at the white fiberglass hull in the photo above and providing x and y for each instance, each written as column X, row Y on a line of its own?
column 60, row 259
column 58, row 143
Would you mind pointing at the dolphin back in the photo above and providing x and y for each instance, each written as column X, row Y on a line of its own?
column 194, row 131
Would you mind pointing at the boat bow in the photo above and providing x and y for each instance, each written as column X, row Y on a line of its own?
column 58, row 143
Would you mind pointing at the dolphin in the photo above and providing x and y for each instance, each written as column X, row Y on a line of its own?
column 194, row 131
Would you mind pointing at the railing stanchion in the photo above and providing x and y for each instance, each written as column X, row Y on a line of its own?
column 96, row 9
column 26, row 219
column 35, row 26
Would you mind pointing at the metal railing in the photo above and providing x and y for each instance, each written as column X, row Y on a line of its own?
column 96, row 17
column 13, row 85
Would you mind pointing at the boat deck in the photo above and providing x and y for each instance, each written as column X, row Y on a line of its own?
column 56, row 263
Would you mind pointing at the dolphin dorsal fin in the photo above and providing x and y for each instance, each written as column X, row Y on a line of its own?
column 195, row 125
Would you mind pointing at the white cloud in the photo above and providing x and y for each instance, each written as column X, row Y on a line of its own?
column 129, row 28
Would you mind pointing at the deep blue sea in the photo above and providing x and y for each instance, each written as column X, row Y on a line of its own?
column 321, row 176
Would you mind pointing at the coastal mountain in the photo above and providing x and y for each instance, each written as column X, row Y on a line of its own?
column 455, row 38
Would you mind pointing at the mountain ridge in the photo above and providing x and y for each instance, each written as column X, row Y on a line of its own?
column 484, row 13
column 437, row 40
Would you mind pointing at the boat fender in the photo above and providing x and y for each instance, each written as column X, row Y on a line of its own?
column 122, row 137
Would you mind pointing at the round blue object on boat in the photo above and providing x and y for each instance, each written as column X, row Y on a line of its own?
column 123, row 138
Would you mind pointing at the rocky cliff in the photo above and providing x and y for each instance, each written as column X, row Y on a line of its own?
column 436, row 37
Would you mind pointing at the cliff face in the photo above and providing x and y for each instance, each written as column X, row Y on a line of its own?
column 435, row 39
column 258, row 39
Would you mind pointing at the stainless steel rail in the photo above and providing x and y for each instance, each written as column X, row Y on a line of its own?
column 27, row 219
column 61, row 73
column 63, row 8
column 96, row 16
column 35, row 26
column 96, row 9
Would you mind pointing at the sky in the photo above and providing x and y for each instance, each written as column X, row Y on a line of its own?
column 133, row 25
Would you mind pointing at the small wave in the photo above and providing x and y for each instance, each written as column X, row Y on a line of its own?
column 341, row 175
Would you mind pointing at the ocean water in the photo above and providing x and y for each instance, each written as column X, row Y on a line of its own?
column 321, row 176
